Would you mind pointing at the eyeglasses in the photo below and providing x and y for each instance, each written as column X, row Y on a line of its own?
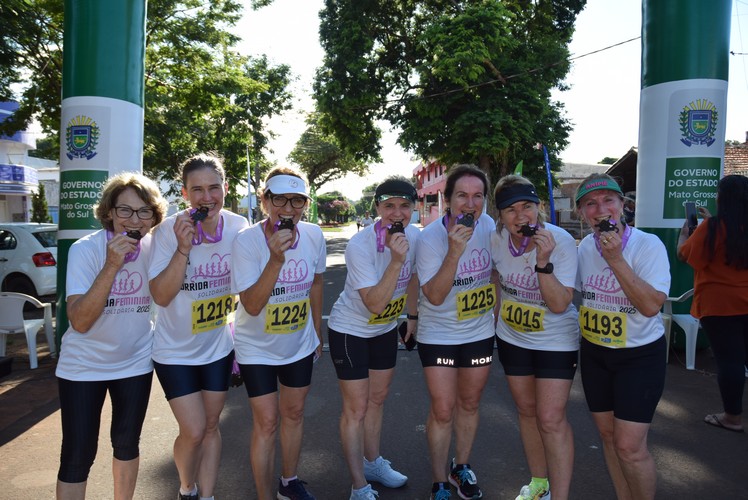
column 281, row 201
column 125, row 212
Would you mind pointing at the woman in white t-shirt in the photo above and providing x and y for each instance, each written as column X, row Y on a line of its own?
column 624, row 278
column 381, row 284
column 456, row 327
column 537, row 331
column 190, row 279
column 107, row 347
column 277, row 272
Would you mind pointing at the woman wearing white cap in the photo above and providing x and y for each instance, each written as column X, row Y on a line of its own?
column 624, row 278
column 193, row 351
column 537, row 332
column 277, row 272
column 381, row 284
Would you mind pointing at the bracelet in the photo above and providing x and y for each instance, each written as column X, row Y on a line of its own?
column 413, row 316
column 185, row 254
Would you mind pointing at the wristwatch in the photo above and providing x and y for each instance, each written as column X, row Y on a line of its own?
column 548, row 269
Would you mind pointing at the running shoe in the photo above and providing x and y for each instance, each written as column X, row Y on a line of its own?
column 365, row 493
column 440, row 491
column 182, row 496
column 463, row 478
column 381, row 471
column 294, row 491
column 529, row 493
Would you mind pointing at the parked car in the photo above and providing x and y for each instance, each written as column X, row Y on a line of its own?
column 28, row 258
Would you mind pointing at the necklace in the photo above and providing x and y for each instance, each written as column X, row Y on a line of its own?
column 201, row 235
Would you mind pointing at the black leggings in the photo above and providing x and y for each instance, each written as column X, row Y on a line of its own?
column 80, row 405
column 728, row 336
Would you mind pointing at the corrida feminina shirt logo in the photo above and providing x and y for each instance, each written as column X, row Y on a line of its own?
column 81, row 137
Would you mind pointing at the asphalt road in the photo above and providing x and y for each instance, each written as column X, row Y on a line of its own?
column 695, row 461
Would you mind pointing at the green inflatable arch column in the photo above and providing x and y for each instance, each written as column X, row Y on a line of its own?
column 101, row 132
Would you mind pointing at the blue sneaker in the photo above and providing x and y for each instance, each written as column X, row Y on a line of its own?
column 294, row 491
column 463, row 478
column 440, row 491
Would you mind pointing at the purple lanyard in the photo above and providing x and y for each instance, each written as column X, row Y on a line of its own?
column 130, row 256
column 381, row 233
column 516, row 252
column 624, row 239
column 201, row 235
column 275, row 228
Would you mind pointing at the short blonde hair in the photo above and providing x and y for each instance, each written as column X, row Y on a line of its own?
column 145, row 188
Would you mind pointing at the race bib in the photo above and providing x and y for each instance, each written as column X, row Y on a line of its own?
column 522, row 317
column 605, row 328
column 286, row 317
column 477, row 302
column 391, row 312
column 211, row 313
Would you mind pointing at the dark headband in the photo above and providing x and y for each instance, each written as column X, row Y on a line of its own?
column 395, row 188
column 514, row 193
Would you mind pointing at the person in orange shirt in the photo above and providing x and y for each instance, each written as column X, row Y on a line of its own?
column 718, row 252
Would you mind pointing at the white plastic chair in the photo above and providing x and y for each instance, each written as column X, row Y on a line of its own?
column 12, row 321
column 688, row 323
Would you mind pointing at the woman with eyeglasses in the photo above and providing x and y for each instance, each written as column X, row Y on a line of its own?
column 277, row 272
column 107, row 347
column 190, row 279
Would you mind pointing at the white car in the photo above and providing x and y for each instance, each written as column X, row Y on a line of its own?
column 28, row 258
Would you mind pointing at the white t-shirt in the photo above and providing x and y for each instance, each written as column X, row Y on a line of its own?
column 118, row 344
column 606, row 316
column 194, row 329
column 367, row 221
column 365, row 267
column 466, row 315
column 524, row 319
column 284, row 331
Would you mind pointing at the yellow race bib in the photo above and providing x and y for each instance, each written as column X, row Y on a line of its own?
column 211, row 313
column 477, row 302
column 522, row 317
column 605, row 328
column 391, row 312
column 286, row 317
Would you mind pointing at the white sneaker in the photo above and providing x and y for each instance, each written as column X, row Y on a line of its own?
column 381, row 471
column 365, row 493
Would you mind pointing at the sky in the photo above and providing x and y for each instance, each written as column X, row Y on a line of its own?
column 602, row 104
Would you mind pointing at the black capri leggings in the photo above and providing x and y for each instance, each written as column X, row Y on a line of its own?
column 80, row 405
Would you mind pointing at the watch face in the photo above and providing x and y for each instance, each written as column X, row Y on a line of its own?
column 548, row 269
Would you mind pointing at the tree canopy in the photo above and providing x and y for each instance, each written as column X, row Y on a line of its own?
column 321, row 157
column 464, row 81
column 200, row 94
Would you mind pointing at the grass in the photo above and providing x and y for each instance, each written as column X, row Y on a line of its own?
column 334, row 228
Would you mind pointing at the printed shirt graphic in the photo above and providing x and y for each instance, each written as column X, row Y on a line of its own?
column 118, row 344
column 446, row 324
column 606, row 316
column 194, row 328
column 284, row 331
column 365, row 267
column 524, row 318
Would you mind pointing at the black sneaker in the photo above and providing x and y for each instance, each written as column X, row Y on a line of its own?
column 463, row 478
column 189, row 496
column 440, row 491
column 294, row 491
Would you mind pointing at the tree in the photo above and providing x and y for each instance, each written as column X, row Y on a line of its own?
column 321, row 157
column 608, row 161
column 39, row 209
column 200, row 95
column 334, row 207
column 464, row 81
column 366, row 203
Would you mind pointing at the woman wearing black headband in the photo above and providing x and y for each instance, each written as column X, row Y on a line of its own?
column 381, row 284
column 537, row 332
column 624, row 278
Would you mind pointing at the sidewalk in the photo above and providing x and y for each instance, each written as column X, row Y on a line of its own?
column 695, row 461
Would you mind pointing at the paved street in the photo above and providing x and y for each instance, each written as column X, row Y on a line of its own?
column 695, row 461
